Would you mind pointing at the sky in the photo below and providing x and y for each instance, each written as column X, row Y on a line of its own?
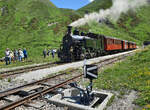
column 71, row 4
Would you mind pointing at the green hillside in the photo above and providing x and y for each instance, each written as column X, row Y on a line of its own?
column 72, row 14
column 134, row 25
column 95, row 6
column 33, row 24
column 39, row 24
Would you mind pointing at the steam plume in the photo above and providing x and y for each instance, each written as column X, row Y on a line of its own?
column 114, row 12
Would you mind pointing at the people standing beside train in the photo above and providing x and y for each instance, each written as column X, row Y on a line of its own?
column 53, row 53
column 7, row 57
column 44, row 53
column 11, row 56
column 20, row 55
column 15, row 55
column 48, row 53
column 25, row 53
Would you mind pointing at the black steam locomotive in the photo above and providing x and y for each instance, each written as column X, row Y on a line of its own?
column 78, row 46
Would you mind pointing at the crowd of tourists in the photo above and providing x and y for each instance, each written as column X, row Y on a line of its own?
column 21, row 55
column 16, row 55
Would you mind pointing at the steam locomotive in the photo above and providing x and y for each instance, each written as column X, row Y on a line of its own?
column 78, row 46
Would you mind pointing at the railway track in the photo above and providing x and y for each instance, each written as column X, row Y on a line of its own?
column 112, row 60
column 14, row 90
column 46, row 88
column 100, row 64
column 4, row 74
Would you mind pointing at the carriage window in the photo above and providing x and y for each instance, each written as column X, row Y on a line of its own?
column 110, row 41
column 117, row 42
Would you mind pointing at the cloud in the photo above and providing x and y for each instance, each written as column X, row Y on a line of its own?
column 91, row 0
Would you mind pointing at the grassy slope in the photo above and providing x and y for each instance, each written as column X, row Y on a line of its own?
column 95, row 6
column 131, row 74
column 25, row 24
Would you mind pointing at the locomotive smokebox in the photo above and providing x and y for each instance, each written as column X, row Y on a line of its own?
column 69, row 29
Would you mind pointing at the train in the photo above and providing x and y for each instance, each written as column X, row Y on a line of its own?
column 77, row 46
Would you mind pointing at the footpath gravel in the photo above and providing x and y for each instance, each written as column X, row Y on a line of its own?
column 10, row 83
column 46, row 106
column 20, row 67
column 38, row 74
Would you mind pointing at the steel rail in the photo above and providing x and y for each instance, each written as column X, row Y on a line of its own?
column 35, row 95
column 14, row 90
column 38, row 94
column 11, row 91
column 22, row 70
column 32, row 68
column 124, row 55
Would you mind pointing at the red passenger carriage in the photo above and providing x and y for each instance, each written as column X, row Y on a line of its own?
column 114, row 44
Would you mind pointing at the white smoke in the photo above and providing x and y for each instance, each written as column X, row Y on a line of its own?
column 114, row 12
column 91, row 0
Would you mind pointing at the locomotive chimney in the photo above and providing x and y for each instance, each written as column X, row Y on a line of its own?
column 69, row 29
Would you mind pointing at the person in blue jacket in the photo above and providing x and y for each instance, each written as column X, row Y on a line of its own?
column 25, row 53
